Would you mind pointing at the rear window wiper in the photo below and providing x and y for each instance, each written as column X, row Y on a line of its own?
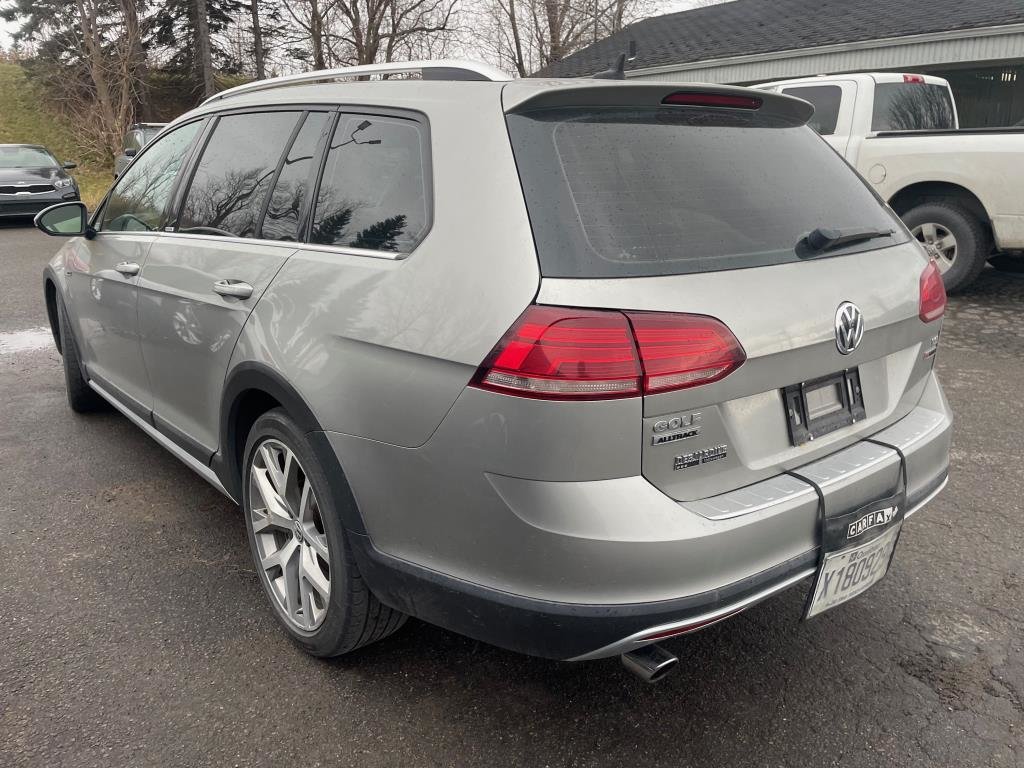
column 824, row 239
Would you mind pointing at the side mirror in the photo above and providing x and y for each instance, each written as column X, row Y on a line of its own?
column 69, row 166
column 131, row 152
column 63, row 220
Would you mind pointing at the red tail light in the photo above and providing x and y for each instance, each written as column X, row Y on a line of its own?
column 678, row 351
column 913, row 79
column 933, row 294
column 583, row 354
column 687, row 99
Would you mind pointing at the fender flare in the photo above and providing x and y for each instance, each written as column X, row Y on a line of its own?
column 226, row 463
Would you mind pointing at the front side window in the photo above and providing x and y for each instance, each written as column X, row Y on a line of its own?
column 373, row 193
column 233, row 176
column 826, row 100
column 912, row 107
column 139, row 199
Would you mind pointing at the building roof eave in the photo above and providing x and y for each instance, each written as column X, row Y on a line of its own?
column 860, row 45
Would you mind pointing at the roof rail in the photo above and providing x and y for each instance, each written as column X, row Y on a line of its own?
column 444, row 69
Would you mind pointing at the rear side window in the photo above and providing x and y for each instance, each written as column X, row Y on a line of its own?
column 233, row 176
column 912, row 107
column 373, row 193
column 627, row 192
column 284, row 211
column 826, row 100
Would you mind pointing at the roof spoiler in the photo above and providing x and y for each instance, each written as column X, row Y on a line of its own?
column 519, row 97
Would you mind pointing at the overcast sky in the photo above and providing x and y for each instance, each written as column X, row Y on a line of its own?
column 668, row 6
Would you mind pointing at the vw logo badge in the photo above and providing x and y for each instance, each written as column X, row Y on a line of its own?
column 849, row 327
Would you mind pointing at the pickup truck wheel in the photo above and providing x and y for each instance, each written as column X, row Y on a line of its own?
column 953, row 237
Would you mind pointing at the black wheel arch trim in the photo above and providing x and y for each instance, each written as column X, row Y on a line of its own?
column 50, row 278
column 227, row 463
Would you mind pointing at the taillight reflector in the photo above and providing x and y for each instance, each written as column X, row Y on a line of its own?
column 733, row 101
column 913, row 79
column 933, row 294
column 585, row 354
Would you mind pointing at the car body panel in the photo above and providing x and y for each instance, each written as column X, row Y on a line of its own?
column 744, row 411
column 106, row 312
column 535, row 531
column 382, row 347
column 188, row 332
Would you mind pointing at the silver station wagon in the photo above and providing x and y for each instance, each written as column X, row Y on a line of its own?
column 566, row 366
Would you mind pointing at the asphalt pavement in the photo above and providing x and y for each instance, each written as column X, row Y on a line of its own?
column 133, row 631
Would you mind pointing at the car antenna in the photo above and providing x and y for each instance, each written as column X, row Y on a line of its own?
column 617, row 71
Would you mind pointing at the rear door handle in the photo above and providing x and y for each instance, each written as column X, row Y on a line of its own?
column 128, row 268
column 234, row 288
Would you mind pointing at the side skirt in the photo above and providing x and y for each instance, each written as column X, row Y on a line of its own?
column 200, row 469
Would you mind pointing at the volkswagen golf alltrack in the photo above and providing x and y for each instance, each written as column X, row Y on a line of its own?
column 566, row 366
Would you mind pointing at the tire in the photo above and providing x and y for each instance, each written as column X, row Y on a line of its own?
column 971, row 240
column 1008, row 262
column 351, row 616
column 81, row 396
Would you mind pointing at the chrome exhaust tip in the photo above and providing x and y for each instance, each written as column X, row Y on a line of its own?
column 650, row 663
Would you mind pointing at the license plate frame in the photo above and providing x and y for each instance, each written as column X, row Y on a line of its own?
column 806, row 423
column 858, row 549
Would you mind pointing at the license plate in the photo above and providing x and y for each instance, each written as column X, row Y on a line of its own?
column 849, row 572
column 857, row 548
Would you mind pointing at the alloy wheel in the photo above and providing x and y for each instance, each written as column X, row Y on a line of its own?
column 939, row 242
column 291, row 543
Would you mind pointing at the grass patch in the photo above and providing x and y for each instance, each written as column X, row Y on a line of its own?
column 25, row 119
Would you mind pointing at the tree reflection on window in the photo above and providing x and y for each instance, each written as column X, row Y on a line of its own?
column 233, row 175
column 281, row 221
column 140, row 196
column 372, row 195
column 911, row 107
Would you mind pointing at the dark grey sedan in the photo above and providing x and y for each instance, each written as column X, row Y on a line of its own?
column 32, row 179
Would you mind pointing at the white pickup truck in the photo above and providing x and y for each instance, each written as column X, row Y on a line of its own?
column 960, row 191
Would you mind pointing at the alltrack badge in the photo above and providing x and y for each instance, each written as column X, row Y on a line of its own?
column 676, row 428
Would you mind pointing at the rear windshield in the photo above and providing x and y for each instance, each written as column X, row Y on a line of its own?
column 912, row 107
column 629, row 192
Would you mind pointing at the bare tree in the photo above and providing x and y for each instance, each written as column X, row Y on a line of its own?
column 312, row 18
column 338, row 32
column 204, row 59
column 258, row 52
column 92, row 61
column 526, row 35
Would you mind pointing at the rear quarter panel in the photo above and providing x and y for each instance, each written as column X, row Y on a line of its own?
column 382, row 348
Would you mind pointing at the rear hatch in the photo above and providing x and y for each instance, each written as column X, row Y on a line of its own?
column 700, row 203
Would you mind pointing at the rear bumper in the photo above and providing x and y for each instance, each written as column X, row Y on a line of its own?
column 699, row 562
column 570, row 631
